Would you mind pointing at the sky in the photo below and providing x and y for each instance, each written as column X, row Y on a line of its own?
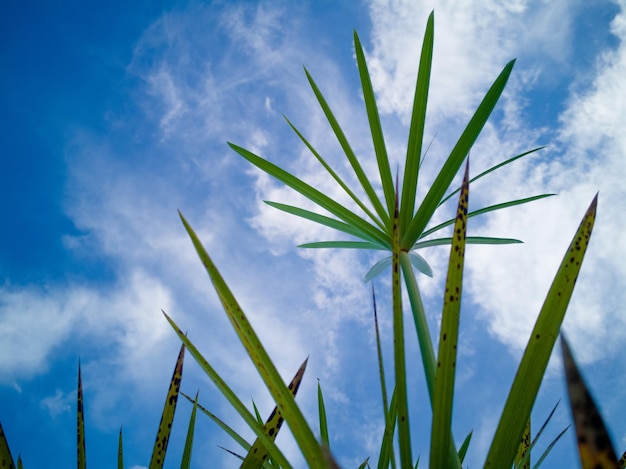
column 117, row 114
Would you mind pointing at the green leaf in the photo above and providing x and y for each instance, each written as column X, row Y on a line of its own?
column 418, row 261
column 336, row 177
column 167, row 417
column 420, row 264
column 493, row 168
column 523, row 391
column 258, row 453
column 6, row 459
column 416, row 130
column 372, row 233
column 386, row 448
column 376, row 130
column 342, row 245
column 186, row 462
column 80, row 417
column 525, row 458
column 322, row 416
column 228, row 393
column 441, row 435
column 464, row 447
column 386, row 452
column 120, row 451
column 354, row 162
column 301, row 431
column 549, row 448
column 454, row 161
column 224, row 426
column 491, row 208
column 320, row 219
column 594, row 443
column 468, row 240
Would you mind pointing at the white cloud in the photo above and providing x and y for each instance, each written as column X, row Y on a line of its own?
column 472, row 43
column 59, row 403
column 38, row 321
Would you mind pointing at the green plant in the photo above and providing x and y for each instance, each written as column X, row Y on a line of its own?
column 394, row 224
column 398, row 225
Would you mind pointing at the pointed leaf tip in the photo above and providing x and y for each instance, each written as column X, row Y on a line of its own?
column 594, row 442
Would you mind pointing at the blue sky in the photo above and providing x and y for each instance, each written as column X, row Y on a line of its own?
column 116, row 115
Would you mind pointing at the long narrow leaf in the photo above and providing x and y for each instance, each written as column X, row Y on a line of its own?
column 468, row 240
column 454, row 161
column 303, row 434
column 342, row 245
column 386, row 447
column 464, row 447
column 416, row 130
column 258, row 453
column 120, row 451
column 383, row 389
column 321, row 219
column 532, row 367
column 493, row 168
column 524, row 461
column 376, row 130
column 336, row 177
column 223, row 425
column 594, row 443
column 167, row 417
column 544, row 455
column 186, row 462
column 441, row 435
column 80, row 424
column 488, row 209
column 322, row 417
column 354, row 162
column 228, row 393
column 314, row 195
column 6, row 459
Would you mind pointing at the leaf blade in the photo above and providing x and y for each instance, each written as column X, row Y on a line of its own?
column 314, row 195
column 594, row 443
column 441, row 435
column 378, row 139
column 534, row 361
column 167, row 417
column 454, row 161
column 303, row 434
column 416, row 129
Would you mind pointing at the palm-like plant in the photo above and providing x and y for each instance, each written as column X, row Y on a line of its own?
column 394, row 223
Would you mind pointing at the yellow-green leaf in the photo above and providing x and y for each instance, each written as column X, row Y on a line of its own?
column 167, row 417
column 6, row 460
column 258, row 453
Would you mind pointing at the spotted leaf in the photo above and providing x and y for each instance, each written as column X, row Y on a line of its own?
column 167, row 417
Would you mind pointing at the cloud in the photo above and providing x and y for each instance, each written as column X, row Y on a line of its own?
column 472, row 43
column 37, row 321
